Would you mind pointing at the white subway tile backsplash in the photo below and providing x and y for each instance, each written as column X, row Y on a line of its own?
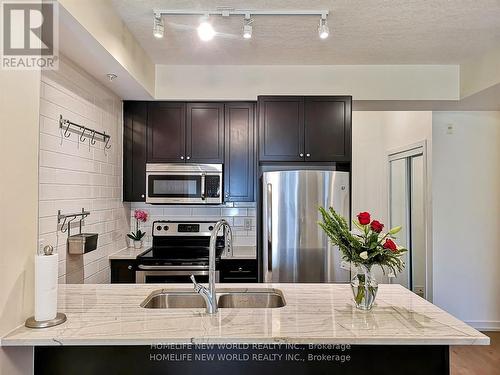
column 234, row 212
column 74, row 174
column 235, row 216
column 244, row 204
column 240, row 221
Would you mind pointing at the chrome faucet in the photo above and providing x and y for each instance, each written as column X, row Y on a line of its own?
column 209, row 294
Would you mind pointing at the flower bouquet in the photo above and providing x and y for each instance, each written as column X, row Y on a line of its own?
column 140, row 216
column 364, row 249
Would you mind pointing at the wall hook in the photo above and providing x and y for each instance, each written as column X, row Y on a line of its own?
column 107, row 146
column 93, row 136
column 82, row 136
column 66, row 132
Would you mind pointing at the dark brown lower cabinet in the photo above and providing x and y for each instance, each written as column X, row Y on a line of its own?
column 238, row 271
column 122, row 271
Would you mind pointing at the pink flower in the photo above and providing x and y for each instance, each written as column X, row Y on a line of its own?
column 141, row 215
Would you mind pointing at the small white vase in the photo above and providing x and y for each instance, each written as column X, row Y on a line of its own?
column 138, row 244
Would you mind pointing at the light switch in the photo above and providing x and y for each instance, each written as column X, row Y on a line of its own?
column 449, row 129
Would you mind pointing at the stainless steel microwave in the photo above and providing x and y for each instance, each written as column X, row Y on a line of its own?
column 183, row 183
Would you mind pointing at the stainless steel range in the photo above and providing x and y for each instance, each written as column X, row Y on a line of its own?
column 180, row 249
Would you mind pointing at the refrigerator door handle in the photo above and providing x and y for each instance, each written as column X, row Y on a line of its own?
column 269, row 227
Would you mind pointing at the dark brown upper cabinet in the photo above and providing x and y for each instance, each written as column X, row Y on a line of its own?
column 281, row 128
column 239, row 160
column 327, row 124
column 134, row 151
column 311, row 129
column 166, row 132
column 205, row 133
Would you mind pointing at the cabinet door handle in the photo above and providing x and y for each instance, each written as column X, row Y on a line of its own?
column 301, row 155
column 142, row 195
column 227, row 194
column 182, row 157
column 189, row 157
column 129, row 267
column 308, row 155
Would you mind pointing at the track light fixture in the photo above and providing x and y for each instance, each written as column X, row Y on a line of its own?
column 158, row 26
column 206, row 32
column 247, row 27
column 323, row 30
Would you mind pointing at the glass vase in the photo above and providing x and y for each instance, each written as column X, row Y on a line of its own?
column 364, row 288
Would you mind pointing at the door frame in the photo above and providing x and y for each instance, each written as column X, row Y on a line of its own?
column 409, row 150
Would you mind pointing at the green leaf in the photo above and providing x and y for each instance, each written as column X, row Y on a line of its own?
column 131, row 236
column 358, row 225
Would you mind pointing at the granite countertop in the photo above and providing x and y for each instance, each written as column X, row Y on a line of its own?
column 127, row 253
column 109, row 314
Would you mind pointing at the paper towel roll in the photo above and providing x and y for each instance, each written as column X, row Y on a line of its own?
column 46, row 272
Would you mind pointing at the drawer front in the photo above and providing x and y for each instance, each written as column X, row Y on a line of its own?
column 238, row 270
column 123, row 271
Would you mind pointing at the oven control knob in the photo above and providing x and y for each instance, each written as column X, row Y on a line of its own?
column 210, row 228
column 158, row 227
column 165, row 227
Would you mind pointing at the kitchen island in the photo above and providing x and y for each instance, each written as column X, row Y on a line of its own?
column 401, row 328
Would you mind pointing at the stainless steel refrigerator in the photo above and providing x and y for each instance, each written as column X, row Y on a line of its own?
column 294, row 248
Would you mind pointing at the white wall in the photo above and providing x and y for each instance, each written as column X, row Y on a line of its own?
column 466, row 205
column 74, row 175
column 363, row 82
column 19, row 106
column 374, row 135
column 100, row 20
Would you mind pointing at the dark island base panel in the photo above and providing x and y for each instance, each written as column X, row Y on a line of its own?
column 243, row 359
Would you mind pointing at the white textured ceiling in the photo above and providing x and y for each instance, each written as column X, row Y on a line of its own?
column 361, row 32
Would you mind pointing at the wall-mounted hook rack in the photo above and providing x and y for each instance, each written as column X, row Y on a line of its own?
column 84, row 132
column 64, row 218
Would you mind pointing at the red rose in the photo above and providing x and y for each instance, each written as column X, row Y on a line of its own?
column 377, row 226
column 364, row 218
column 389, row 244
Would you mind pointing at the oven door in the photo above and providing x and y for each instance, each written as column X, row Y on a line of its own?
column 170, row 275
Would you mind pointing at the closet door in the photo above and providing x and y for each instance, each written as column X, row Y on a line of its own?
column 407, row 208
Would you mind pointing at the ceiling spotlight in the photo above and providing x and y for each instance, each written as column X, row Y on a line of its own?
column 247, row 27
column 205, row 31
column 158, row 26
column 323, row 30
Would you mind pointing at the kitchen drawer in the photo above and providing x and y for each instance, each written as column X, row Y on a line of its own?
column 238, row 270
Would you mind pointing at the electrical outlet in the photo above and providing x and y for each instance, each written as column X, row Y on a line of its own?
column 248, row 224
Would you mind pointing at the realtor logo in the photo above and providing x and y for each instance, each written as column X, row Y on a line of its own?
column 30, row 37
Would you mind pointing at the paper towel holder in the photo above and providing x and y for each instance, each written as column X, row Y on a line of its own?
column 60, row 317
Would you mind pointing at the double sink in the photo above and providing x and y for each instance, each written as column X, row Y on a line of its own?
column 227, row 298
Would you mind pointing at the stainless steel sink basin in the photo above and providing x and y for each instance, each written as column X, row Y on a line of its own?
column 227, row 298
column 257, row 299
column 173, row 299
